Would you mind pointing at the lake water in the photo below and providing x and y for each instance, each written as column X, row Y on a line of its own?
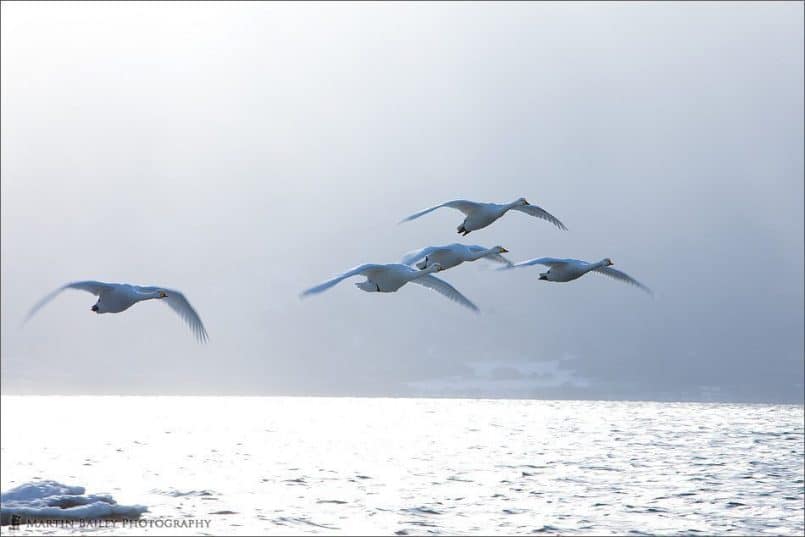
column 258, row 465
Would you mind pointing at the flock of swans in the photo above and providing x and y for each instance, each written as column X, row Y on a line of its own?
column 389, row 278
column 118, row 297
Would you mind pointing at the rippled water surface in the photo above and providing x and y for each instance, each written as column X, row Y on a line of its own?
column 419, row 466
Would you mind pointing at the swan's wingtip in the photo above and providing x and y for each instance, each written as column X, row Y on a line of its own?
column 28, row 316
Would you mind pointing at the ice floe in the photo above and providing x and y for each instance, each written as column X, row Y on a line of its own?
column 50, row 500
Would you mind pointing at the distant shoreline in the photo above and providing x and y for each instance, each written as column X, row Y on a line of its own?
column 410, row 396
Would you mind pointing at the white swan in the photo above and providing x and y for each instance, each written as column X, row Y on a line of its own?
column 117, row 297
column 480, row 215
column 566, row 270
column 389, row 278
column 454, row 254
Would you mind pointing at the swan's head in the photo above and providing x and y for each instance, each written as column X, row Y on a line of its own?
column 95, row 308
column 522, row 201
column 608, row 262
column 500, row 250
column 163, row 294
column 543, row 276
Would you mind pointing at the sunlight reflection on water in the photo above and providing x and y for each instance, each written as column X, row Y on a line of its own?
column 415, row 466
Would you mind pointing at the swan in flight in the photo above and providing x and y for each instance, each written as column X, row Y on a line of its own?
column 566, row 270
column 480, row 215
column 454, row 254
column 117, row 297
column 389, row 278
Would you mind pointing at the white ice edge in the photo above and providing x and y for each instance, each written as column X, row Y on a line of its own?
column 50, row 500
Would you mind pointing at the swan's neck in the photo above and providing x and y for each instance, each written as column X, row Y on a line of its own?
column 483, row 253
column 602, row 263
column 507, row 206
column 150, row 295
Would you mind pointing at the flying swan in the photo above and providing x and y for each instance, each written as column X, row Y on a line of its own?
column 480, row 215
column 566, row 270
column 454, row 254
column 389, row 278
column 117, row 297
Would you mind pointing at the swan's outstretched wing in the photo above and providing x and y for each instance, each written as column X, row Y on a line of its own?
column 90, row 286
column 416, row 255
column 464, row 206
column 360, row 269
column 539, row 212
column 547, row 261
column 179, row 303
column 492, row 257
column 622, row 276
column 441, row 286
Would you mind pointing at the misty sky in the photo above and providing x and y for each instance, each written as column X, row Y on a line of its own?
column 244, row 152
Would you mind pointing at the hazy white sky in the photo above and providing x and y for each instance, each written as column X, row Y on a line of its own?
column 243, row 152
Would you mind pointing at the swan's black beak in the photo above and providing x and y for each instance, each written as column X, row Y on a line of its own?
column 95, row 308
column 543, row 277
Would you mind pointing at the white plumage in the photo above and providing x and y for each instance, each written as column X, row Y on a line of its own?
column 117, row 297
column 451, row 255
column 566, row 270
column 479, row 215
column 389, row 278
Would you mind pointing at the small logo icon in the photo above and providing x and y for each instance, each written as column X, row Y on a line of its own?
column 15, row 522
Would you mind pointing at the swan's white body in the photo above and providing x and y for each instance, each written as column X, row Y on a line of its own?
column 479, row 215
column 451, row 255
column 567, row 270
column 389, row 278
column 118, row 297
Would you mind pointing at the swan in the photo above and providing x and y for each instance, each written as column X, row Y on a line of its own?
column 117, row 297
column 566, row 270
column 389, row 278
column 454, row 254
column 479, row 215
